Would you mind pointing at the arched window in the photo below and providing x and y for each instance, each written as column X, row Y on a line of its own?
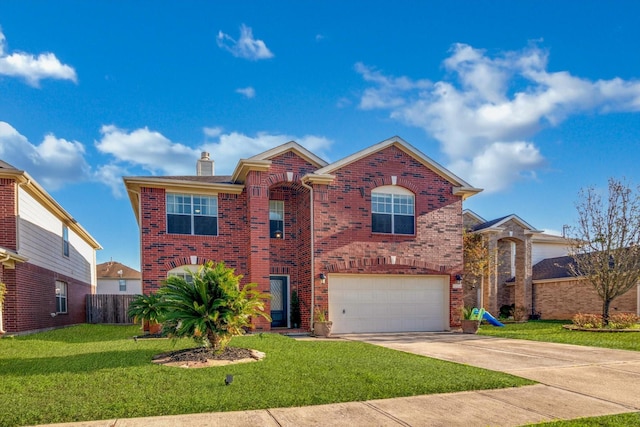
column 392, row 210
column 183, row 272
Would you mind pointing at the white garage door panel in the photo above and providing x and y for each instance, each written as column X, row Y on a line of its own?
column 388, row 303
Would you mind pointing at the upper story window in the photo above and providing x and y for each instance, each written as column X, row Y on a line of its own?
column 192, row 214
column 122, row 285
column 65, row 240
column 276, row 219
column 61, row 297
column 392, row 210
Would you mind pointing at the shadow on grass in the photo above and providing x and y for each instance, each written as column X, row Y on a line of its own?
column 84, row 333
column 80, row 363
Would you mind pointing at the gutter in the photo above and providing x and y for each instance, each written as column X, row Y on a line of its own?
column 2, row 331
column 310, row 188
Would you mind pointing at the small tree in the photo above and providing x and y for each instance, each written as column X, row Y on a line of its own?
column 213, row 308
column 605, row 243
column 476, row 258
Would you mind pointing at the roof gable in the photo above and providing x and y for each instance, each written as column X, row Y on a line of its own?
column 462, row 187
column 498, row 223
column 293, row 146
column 116, row 270
column 31, row 186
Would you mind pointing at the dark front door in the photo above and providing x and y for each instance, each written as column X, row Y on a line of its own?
column 279, row 301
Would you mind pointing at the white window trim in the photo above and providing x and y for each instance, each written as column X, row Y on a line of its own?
column 66, row 247
column 281, row 203
column 192, row 214
column 394, row 190
column 62, row 295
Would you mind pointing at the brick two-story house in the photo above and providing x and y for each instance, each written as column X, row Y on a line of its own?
column 374, row 239
column 47, row 260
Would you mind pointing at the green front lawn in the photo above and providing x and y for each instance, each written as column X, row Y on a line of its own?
column 621, row 420
column 552, row 331
column 92, row 372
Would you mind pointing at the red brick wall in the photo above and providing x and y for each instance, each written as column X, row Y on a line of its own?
column 162, row 251
column 31, row 298
column 561, row 300
column 8, row 225
column 345, row 242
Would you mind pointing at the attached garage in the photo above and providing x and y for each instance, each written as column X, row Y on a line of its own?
column 388, row 303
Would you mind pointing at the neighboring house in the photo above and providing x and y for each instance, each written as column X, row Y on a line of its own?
column 529, row 269
column 374, row 239
column 116, row 278
column 48, row 261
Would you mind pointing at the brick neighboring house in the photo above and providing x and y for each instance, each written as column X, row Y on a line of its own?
column 118, row 279
column 531, row 271
column 47, row 260
column 374, row 239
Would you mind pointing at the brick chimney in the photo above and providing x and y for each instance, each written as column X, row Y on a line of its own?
column 205, row 166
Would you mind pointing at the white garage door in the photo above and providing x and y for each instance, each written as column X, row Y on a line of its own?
column 388, row 303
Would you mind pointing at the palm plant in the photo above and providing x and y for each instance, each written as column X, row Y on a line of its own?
column 213, row 307
column 147, row 308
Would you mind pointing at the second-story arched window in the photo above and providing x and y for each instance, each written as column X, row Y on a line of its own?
column 392, row 210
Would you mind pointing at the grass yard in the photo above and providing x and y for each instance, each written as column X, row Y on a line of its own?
column 92, row 372
column 621, row 420
column 552, row 331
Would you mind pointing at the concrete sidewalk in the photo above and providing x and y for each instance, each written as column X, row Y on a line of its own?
column 575, row 382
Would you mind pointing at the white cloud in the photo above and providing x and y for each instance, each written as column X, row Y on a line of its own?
column 234, row 146
column 53, row 163
column 489, row 107
column 212, row 132
column 149, row 149
column 248, row 92
column 246, row 47
column 157, row 154
column 500, row 164
column 111, row 176
column 33, row 68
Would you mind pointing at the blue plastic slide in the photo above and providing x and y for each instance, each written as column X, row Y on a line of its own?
column 492, row 320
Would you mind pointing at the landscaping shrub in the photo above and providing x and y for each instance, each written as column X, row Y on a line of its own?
column 616, row 321
column 623, row 320
column 587, row 321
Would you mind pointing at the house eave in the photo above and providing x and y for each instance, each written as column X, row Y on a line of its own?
column 134, row 184
column 322, row 179
column 9, row 258
column 247, row 165
column 25, row 181
column 466, row 192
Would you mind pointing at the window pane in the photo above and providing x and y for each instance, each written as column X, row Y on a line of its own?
column 276, row 225
column 205, row 225
column 403, row 224
column 179, row 224
column 381, row 223
column 276, row 210
column 205, row 206
column 178, row 204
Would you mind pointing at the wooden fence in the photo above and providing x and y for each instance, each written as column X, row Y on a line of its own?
column 108, row 308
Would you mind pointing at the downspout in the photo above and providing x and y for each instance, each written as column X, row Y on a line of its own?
column 2, row 331
column 310, row 188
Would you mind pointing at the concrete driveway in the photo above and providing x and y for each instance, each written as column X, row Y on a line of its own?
column 611, row 377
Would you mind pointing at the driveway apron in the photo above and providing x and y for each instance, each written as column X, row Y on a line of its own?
column 607, row 375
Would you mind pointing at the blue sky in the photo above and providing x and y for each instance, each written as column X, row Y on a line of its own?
column 530, row 100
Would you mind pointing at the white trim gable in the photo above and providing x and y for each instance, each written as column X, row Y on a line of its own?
column 462, row 187
column 290, row 146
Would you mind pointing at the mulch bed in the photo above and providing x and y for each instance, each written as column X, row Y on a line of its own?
column 201, row 357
